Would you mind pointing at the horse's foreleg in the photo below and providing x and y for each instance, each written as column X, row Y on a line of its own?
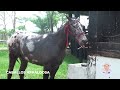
column 53, row 71
column 12, row 60
column 46, row 69
column 23, row 66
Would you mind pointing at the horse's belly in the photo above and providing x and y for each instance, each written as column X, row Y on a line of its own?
column 32, row 58
column 36, row 62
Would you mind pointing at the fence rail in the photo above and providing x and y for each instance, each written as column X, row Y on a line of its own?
column 3, row 40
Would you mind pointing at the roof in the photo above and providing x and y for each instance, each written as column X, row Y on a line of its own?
column 73, row 12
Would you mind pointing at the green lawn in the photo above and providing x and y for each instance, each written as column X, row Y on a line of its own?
column 61, row 73
column 3, row 46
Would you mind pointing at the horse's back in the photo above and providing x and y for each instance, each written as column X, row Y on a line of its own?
column 18, row 35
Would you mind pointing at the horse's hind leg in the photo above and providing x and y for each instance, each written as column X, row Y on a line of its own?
column 23, row 66
column 12, row 60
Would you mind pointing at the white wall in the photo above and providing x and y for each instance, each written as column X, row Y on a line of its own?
column 113, row 68
column 84, row 21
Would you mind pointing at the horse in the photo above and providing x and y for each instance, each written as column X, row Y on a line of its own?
column 47, row 50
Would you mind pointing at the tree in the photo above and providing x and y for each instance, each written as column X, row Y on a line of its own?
column 23, row 21
column 3, row 20
column 53, row 18
column 41, row 23
column 12, row 15
column 22, row 27
column 47, row 23
column 50, row 19
column 63, row 18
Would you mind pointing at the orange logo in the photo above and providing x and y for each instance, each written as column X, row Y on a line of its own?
column 106, row 68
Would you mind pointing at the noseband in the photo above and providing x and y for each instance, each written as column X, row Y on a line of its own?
column 67, row 31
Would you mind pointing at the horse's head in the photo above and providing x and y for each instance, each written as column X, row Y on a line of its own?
column 75, row 29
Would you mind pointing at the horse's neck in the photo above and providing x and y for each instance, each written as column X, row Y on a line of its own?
column 61, row 38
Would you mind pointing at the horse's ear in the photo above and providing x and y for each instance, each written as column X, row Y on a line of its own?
column 78, row 18
column 68, row 18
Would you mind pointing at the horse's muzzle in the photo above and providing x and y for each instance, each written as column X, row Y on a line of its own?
column 85, row 42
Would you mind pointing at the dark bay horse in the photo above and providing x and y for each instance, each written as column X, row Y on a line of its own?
column 47, row 50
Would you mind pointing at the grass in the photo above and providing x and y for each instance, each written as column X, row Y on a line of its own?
column 61, row 73
column 3, row 46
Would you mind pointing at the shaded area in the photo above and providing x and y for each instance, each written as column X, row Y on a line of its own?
column 104, row 33
column 75, row 12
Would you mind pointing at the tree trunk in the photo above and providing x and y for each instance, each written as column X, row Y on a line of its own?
column 51, row 21
column 48, row 22
column 14, row 19
column 62, row 20
column 4, row 20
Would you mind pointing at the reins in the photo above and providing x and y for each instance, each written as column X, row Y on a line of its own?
column 67, row 31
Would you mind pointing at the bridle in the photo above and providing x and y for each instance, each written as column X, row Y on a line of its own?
column 67, row 31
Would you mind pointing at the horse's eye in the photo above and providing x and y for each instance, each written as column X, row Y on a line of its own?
column 74, row 26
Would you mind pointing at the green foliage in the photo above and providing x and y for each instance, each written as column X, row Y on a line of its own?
column 53, row 18
column 63, row 18
column 22, row 27
column 3, row 34
column 22, row 19
column 10, row 32
column 41, row 23
column 2, row 31
column 56, row 18
column 49, row 21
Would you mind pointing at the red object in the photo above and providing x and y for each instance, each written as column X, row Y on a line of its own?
column 67, row 27
column 67, row 31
